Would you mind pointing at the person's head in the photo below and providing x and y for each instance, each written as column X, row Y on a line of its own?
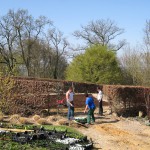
column 99, row 88
column 70, row 89
column 86, row 95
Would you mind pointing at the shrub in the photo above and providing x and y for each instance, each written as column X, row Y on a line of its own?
column 6, row 93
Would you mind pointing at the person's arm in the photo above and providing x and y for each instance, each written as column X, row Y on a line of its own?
column 67, row 98
column 86, row 107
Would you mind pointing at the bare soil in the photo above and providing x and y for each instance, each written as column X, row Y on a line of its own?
column 117, row 133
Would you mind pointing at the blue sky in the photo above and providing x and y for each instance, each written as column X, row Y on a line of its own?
column 69, row 15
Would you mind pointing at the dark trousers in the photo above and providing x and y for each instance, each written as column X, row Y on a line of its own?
column 90, row 116
column 101, row 107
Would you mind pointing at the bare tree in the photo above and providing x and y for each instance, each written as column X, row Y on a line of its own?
column 28, row 31
column 22, row 39
column 7, row 41
column 101, row 32
column 59, row 44
column 147, row 35
column 136, row 65
column 146, row 54
column 135, row 62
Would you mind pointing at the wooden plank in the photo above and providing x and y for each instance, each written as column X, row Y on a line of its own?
column 14, row 130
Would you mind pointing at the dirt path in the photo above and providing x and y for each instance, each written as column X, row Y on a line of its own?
column 113, row 133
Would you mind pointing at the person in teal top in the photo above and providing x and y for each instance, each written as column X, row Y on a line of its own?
column 90, row 107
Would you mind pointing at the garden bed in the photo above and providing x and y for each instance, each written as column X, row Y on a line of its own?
column 42, row 137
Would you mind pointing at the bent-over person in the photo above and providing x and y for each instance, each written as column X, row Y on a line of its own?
column 90, row 108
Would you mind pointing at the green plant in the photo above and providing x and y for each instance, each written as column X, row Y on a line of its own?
column 6, row 93
column 97, row 65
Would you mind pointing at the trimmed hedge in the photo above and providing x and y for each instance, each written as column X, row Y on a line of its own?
column 128, row 100
column 32, row 95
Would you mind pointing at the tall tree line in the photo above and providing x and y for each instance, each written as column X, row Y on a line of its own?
column 35, row 47
column 135, row 62
column 31, row 47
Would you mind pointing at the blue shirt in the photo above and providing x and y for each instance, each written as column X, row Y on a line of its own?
column 90, row 102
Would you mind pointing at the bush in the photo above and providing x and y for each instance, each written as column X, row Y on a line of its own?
column 6, row 93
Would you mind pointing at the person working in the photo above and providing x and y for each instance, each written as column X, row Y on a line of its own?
column 100, row 100
column 70, row 104
column 90, row 107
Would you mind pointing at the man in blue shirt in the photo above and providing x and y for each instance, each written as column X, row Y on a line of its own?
column 90, row 106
